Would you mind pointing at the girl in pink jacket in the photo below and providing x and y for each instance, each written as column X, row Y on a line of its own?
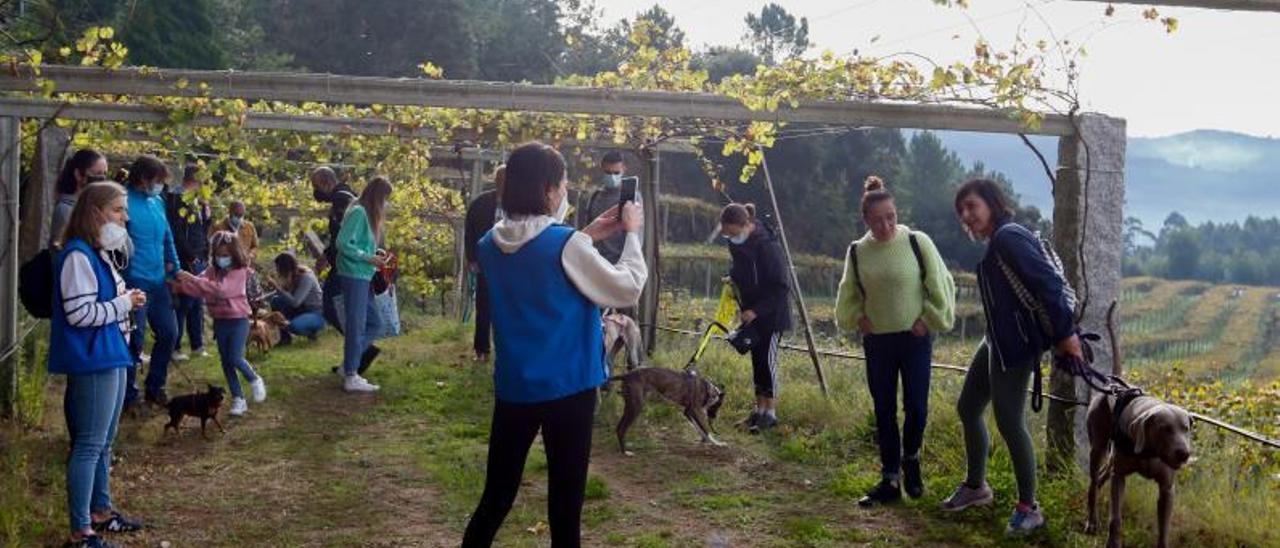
column 224, row 287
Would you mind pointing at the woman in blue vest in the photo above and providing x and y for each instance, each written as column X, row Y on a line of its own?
column 1010, row 352
column 153, row 262
column 89, row 328
column 547, row 283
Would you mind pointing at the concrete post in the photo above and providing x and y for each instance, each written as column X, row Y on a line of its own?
column 649, row 192
column 10, row 159
column 1088, row 218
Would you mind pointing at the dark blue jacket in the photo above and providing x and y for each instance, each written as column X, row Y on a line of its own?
column 759, row 272
column 1013, row 332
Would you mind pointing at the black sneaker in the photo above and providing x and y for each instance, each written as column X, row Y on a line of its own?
column 286, row 338
column 752, row 420
column 913, row 484
column 367, row 358
column 157, row 397
column 764, row 422
column 91, row 541
column 885, row 492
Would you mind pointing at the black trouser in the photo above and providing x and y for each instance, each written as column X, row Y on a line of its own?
column 764, row 364
column 566, row 437
column 890, row 356
column 483, row 324
column 330, row 291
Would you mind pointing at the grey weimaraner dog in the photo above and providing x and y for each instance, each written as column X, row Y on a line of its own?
column 1142, row 434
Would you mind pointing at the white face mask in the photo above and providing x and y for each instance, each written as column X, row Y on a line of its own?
column 563, row 209
column 739, row 239
column 113, row 237
column 612, row 180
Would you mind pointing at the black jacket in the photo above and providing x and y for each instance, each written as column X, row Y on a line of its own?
column 190, row 225
column 1013, row 331
column 760, row 273
column 339, row 200
column 481, row 215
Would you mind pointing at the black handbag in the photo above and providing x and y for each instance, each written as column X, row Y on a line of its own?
column 744, row 338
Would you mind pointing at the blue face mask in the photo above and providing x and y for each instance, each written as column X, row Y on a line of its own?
column 223, row 262
column 156, row 189
column 611, row 180
column 737, row 240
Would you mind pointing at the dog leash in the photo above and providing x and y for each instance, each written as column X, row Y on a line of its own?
column 702, row 345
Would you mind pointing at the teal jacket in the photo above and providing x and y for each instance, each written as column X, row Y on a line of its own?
column 356, row 244
column 152, row 238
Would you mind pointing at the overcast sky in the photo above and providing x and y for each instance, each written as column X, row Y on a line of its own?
column 1220, row 70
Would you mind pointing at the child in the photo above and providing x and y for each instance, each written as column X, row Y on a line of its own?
column 225, row 290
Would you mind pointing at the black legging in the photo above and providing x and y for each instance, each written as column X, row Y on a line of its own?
column 483, row 324
column 566, row 436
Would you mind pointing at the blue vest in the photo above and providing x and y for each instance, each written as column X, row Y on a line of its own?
column 548, row 337
column 75, row 350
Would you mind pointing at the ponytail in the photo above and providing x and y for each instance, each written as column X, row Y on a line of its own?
column 738, row 214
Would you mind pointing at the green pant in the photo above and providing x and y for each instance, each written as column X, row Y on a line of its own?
column 1006, row 390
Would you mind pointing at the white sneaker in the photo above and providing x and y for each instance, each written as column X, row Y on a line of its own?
column 201, row 352
column 238, row 407
column 259, row 388
column 356, row 383
column 180, row 357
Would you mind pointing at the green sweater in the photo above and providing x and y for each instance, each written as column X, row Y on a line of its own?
column 356, row 244
column 895, row 297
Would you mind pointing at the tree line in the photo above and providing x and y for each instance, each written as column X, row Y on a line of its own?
column 1233, row 252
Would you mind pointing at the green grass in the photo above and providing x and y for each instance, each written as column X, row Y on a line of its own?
column 313, row 466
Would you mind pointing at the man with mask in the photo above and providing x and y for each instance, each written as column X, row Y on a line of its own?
column 326, row 188
column 189, row 219
column 243, row 229
column 612, row 170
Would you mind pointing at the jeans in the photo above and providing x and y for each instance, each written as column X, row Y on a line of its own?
column 1006, row 390
column 160, row 315
column 92, row 405
column 566, row 436
column 889, row 357
column 361, row 320
column 231, row 336
column 190, row 311
column 301, row 322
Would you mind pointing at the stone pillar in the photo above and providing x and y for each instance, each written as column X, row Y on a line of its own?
column 10, row 159
column 40, row 193
column 1088, row 216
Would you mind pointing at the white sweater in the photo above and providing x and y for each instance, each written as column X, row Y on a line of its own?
column 605, row 284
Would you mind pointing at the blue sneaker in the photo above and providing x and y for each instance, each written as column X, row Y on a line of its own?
column 1025, row 520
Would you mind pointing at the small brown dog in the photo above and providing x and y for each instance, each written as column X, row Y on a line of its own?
column 1140, row 434
column 700, row 398
column 204, row 405
column 264, row 330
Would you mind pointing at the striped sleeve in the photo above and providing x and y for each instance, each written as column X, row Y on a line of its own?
column 80, row 301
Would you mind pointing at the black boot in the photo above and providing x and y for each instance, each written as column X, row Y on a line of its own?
column 912, row 482
column 286, row 338
column 887, row 491
column 367, row 358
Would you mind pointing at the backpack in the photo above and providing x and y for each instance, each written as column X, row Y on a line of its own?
column 1029, row 301
column 915, row 250
column 35, row 285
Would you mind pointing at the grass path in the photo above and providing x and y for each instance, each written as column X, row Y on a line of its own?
column 315, row 467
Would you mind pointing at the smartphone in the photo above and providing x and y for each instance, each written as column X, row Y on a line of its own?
column 628, row 191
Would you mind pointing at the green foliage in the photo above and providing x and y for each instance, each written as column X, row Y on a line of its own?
column 1245, row 253
column 162, row 33
column 775, row 34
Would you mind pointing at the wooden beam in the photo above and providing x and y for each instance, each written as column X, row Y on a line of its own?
column 1232, row 5
column 334, row 125
column 327, row 88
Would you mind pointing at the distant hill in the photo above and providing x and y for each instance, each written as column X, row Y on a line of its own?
column 1206, row 175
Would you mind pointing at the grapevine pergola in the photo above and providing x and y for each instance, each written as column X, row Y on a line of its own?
column 1088, row 192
